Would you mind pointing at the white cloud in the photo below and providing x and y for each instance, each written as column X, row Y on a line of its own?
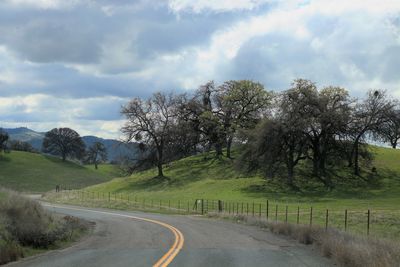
column 198, row 6
column 44, row 4
column 143, row 47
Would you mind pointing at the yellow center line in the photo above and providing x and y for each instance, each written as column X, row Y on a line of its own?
column 168, row 257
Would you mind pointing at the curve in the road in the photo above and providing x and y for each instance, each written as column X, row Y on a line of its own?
column 168, row 257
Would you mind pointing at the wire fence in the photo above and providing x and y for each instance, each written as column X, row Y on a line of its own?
column 377, row 222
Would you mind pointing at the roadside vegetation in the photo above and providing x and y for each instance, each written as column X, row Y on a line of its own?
column 345, row 249
column 27, row 229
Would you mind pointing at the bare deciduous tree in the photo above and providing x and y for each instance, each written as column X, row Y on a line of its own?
column 96, row 154
column 149, row 121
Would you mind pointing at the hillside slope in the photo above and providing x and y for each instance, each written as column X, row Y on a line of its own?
column 31, row 172
column 203, row 176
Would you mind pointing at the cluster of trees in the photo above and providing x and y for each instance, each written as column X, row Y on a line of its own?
column 67, row 143
column 170, row 126
column 276, row 130
column 6, row 144
column 325, row 127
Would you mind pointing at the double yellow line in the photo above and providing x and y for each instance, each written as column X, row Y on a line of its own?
column 172, row 252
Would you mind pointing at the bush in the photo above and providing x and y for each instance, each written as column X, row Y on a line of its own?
column 23, row 222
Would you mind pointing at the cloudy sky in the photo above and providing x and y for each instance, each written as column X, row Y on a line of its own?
column 75, row 62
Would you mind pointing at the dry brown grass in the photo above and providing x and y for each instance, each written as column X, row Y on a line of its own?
column 24, row 223
column 345, row 249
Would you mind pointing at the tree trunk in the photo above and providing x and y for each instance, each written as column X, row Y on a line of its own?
column 160, row 161
column 64, row 156
column 290, row 170
column 316, row 159
column 95, row 165
column 160, row 170
column 218, row 149
column 356, row 165
column 394, row 144
column 228, row 147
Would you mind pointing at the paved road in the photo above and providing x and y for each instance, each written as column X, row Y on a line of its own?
column 125, row 239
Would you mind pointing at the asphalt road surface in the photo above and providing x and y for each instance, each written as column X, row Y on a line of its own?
column 143, row 239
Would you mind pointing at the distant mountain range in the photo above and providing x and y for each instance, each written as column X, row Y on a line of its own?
column 115, row 149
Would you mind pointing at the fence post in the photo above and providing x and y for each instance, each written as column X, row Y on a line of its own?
column 298, row 214
column 345, row 220
column 311, row 216
column 276, row 213
column 188, row 207
column 247, row 210
column 267, row 211
column 109, row 196
column 326, row 220
column 179, row 206
column 368, row 221
column 202, row 206
column 253, row 210
column 286, row 214
column 259, row 211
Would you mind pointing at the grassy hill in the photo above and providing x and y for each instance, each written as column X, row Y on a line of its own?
column 202, row 176
column 31, row 172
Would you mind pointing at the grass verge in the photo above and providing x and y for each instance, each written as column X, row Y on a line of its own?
column 345, row 249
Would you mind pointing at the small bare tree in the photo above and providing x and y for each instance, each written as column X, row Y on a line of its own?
column 96, row 154
column 149, row 121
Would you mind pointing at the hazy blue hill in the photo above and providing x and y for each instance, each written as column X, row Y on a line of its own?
column 116, row 149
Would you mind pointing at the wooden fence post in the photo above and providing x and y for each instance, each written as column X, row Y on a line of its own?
column 368, row 220
column 286, row 214
column 298, row 214
column 326, row 220
column 311, row 216
column 345, row 220
column 276, row 213
column 267, row 211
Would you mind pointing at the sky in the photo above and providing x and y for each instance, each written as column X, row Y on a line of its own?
column 74, row 63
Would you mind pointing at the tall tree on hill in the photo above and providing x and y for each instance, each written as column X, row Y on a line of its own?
column 64, row 142
column 96, row 154
column 369, row 116
column 389, row 131
column 200, row 111
column 150, row 121
column 240, row 105
column 323, row 115
column 275, row 147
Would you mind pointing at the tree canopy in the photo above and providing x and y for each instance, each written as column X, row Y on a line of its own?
column 64, row 142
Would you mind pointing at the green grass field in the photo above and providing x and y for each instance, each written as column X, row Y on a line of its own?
column 203, row 177
column 31, row 172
